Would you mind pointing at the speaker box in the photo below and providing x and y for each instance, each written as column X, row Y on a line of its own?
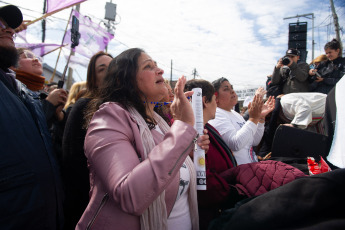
column 297, row 143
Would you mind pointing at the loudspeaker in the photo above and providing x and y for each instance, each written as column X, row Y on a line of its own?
column 298, row 44
column 298, row 27
column 298, row 38
column 297, row 143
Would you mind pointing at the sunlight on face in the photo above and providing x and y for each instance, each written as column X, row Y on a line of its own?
column 332, row 54
column 227, row 97
column 28, row 62
column 150, row 79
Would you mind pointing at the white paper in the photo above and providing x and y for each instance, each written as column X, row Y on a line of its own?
column 199, row 154
column 337, row 152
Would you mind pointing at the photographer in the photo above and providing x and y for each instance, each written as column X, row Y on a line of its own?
column 292, row 76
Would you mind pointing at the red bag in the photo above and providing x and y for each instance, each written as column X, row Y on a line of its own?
column 317, row 168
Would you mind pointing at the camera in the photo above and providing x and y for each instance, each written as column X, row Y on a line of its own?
column 285, row 60
column 314, row 77
column 285, row 72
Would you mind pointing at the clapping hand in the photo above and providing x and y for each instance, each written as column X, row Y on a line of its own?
column 255, row 108
column 267, row 107
column 260, row 92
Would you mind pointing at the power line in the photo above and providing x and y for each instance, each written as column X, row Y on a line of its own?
column 40, row 13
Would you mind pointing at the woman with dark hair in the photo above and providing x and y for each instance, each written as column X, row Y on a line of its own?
column 240, row 135
column 329, row 72
column 74, row 163
column 141, row 174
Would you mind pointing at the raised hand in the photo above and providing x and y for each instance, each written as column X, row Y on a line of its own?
column 267, row 107
column 181, row 108
column 57, row 97
column 261, row 92
column 254, row 109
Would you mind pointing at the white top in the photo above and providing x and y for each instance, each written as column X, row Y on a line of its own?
column 302, row 107
column 179, row 218
column 337, row 153
column 239, row 135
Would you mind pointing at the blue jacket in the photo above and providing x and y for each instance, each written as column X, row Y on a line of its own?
column 30, row 184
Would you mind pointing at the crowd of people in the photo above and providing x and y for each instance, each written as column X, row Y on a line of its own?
column 116, row 151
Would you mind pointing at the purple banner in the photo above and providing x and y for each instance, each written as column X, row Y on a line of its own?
column 22, row 35
column 39, row 49
column 93, row 37
column 80, row 60
column 55, row 5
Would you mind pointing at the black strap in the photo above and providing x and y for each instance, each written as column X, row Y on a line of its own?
column 222, row 143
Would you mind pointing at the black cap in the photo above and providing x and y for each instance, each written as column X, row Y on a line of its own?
column 292, row 52
column 11, row 15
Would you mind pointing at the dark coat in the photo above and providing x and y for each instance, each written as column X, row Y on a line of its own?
column 296, row 82
column 30, row 184
column 74, row 165
column 314, row 202
column 331, row 72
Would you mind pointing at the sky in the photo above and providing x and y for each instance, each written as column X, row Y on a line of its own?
column 239, row 40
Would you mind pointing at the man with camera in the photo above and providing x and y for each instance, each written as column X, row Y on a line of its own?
column 292, row 76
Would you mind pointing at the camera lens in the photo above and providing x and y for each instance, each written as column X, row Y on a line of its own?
column 286, row 60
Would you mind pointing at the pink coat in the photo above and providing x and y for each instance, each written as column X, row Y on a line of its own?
column 113, row 147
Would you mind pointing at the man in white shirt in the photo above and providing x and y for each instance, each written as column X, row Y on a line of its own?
column 303, row 109
column 240, row 135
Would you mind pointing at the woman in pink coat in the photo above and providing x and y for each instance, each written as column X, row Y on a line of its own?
column 141, row 174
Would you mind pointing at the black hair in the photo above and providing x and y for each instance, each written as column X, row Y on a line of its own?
column 120, row 85
column 91, row 82
column 334, row 45
column 207, row 88
column 216, row 84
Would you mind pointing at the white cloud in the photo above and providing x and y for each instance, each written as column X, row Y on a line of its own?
column 240, row 40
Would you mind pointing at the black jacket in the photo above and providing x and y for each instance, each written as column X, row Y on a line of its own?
column 74, row 165
column 312, row 202
column 30, row 185
column 331, row 72
column 296, row 82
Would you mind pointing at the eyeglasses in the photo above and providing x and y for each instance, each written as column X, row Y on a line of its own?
column 4, row 26
column 30, row 55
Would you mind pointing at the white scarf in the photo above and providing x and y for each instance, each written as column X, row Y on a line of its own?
column 155, row 216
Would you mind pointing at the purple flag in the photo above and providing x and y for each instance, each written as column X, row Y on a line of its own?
column 93, row 37
column 56, row 5
column 39, row 49
column 22, row 35
column 80, row 60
